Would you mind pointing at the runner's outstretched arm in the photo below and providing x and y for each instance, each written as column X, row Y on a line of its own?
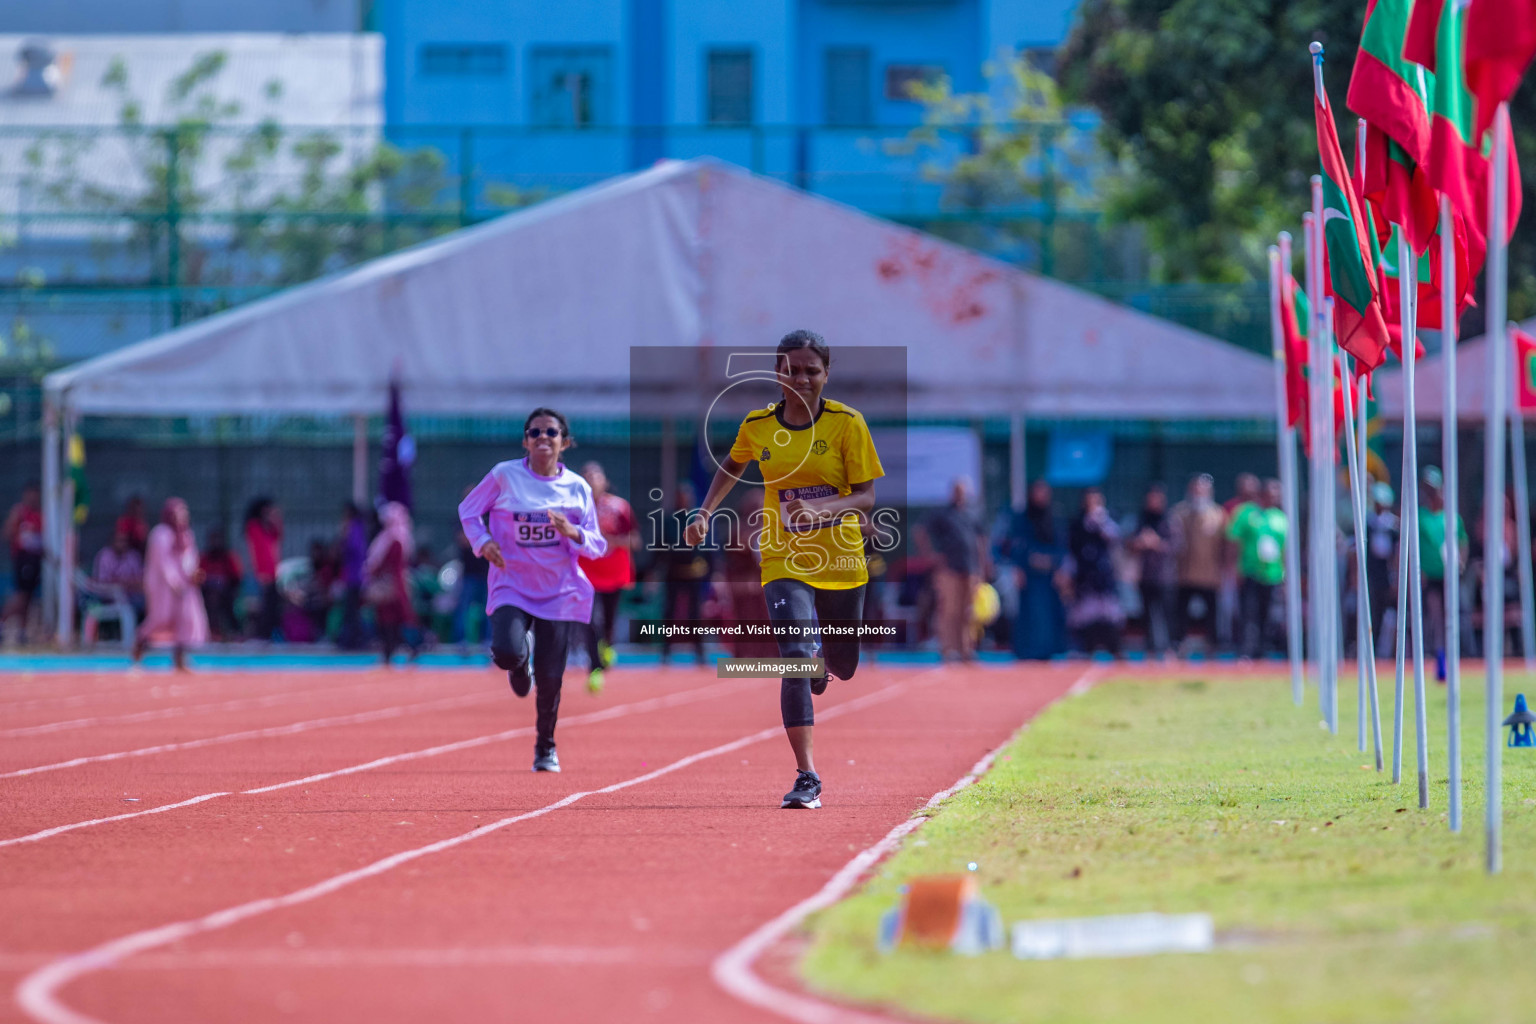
column 725, row 478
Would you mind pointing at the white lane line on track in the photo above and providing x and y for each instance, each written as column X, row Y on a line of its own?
column 157, row 714
column 607, row 714
column 37, row 994
column 357, row 718
column 140, row 686
column 61, row 829
column 732, row 970
column 465, row 956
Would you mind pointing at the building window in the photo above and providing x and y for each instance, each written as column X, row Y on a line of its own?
column 572, row 86
column 482, row 60
column 729, row 83
column 846, row 86
column 900, row 78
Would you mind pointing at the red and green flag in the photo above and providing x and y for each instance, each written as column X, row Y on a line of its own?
column 1294, row 312
column 1428, row 292
column 1525, row 369
column 1399, row 188
column 1392, row 94
column 1501, row 40
column 1459, row 159
column 1358, row 322
column 1388, row 90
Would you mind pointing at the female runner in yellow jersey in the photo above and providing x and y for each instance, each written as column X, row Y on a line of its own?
column 819, row 468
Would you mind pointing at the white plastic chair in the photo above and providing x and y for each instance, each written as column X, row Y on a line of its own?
column 111, row 604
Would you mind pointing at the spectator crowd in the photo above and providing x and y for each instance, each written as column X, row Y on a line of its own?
column 1170, row 578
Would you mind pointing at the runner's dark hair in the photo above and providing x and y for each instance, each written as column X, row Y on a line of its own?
column 807, row 339
column 565, row 426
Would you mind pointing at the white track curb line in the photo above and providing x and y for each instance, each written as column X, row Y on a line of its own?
column 732, row 970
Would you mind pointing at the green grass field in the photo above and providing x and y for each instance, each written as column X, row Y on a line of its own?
column 1335, row 898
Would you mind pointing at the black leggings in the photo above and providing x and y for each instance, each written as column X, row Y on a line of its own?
column 605, row 608
column 797, row 602
column 510, row 627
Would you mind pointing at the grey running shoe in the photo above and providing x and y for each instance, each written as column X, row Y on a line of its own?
column 807, row 792
column 546, row 761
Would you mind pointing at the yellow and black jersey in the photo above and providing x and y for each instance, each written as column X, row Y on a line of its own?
column 820, row 459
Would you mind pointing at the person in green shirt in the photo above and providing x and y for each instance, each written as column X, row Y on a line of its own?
column 1432, row 567
column 1259, row 530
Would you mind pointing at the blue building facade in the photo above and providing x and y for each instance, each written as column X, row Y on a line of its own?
column 557, row 95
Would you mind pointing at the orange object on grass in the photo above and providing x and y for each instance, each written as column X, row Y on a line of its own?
column 934, row 906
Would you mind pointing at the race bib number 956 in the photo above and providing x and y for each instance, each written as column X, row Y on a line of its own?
column 534, row 530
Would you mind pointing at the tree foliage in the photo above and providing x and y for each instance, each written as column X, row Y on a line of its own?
column 1015, row 155
column 1207, row 105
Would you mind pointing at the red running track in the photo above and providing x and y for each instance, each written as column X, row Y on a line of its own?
column 372, row 846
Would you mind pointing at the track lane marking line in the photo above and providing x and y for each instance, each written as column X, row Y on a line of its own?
column 451, row 956
column 732, row 970
column 37, row 994
column 157, row 714
column 607, row 714
column 206, row 684
column 356, row 718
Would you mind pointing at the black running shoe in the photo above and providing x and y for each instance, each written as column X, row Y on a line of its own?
column 819, row 686
column 521, row 682
column 549, row 761
column 807, row 792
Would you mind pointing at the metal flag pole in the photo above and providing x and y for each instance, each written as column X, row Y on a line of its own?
column 1493, row 496
column 1364, row 643
column 1365, row 591
column 1451, row 465
column 1403, row 565
column 1318, row 367
column 1357, row 510
column 1408, row 292
column 1279, row 278
column 1324, row 450
column 1522, row 529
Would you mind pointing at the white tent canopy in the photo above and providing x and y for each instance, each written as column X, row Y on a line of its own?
column 543, row 306
column 1429, row 381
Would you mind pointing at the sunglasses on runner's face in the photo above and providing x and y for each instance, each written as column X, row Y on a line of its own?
column 535, row 432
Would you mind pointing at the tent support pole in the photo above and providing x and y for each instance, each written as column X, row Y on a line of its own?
column 66, row 517
column 669, row 464
column 360, row 460
column 53, row 530
column 1018, row 485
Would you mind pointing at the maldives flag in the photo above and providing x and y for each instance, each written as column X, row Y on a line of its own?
column 1421, row 42
column 1357, row 315
column 1391, row 295
column 1385, row 88
column 1294, row 312
column 1398, row 188
column 1458, row 162
column 1392, row 93
column 1525, row 369
column 1501, row 39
